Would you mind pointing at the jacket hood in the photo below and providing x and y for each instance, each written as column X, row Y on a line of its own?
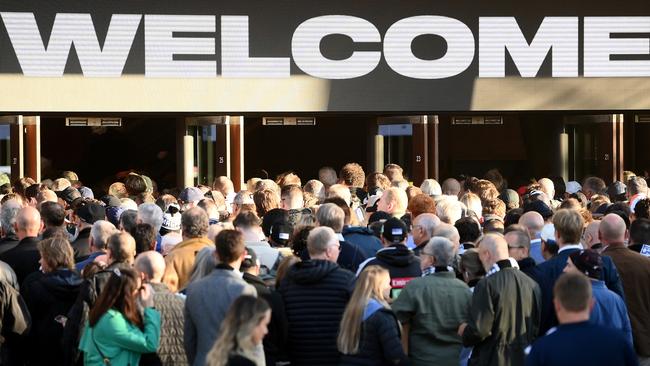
column 311, row 271
column 397, row 256
column 64, row 283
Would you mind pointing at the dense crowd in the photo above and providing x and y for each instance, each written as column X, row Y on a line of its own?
column 346, row 269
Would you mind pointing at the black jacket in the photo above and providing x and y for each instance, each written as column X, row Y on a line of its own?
column 8, row 242
column 315, row 293
column 276, row 339
column 548, row 272
column 81, row 245
column 49, row 297
column 380, row 342
column 528, row 266
column 14, row 325
column 400, row 262
column 363, row 238
column 350, row 257
column 23, row 258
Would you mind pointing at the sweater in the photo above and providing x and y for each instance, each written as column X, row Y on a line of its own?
column 117, row 339
column 609, row 310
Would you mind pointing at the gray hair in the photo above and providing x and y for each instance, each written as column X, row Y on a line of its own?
column 449, row 210
column 203, row 264
column 332, row 216
column 636, row 185
column 431, row 187
column 151, row 213
column 428, row 221
column 442, row 249
column 8, row 213
column 194, row 223
column 319, row 239
column 447, row 231
column 100, row 232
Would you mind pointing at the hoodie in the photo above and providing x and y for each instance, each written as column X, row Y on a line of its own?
column 400, row 262
column 315, row 293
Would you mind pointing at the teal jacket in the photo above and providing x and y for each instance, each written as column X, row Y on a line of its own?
column 120, row 340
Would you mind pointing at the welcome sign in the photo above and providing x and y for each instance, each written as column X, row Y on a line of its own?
column 366, row 56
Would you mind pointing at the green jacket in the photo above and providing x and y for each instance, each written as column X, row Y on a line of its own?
column 120, row 340
column 434, row 306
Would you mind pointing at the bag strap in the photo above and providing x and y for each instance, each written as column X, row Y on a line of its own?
column 107, row 361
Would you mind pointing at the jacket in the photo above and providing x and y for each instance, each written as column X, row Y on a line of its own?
column 634, row 270
column 528, row 266
column 15, row 322
column 315, row 293
column 49, row 298
column 180, row 261
column 609, row 310
column 81, row 245
column 582, row 343
column 363, row 238
column 170, row 351
column 276, row 338
column 23, row 258
column 434, row 306
column 207, row 302
column 117, row 339
column 8, row 242
column 351, row 257
column 503, row 318
column 379, row 343
column 548, row 272
column 400, row 262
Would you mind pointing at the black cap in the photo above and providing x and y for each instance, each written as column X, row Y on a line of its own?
column 69, row 194
column 250, row 260
column 540, row 207
column 280, row 233
column 276, row 215
column 394, row 230
column 91, row 212
column 588, row 262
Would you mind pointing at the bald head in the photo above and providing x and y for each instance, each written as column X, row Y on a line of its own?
column 590, row 236
column 533, row 221
column 547, row 187
column 612, row 230
column 28, row 222
column 151, row 264
column 46, row 195
column 450, row 187
column 492, row 248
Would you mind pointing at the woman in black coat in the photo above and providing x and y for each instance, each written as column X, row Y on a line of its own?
column 369, row 332
column 49, row 295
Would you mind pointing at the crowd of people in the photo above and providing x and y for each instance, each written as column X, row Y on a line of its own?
column 346, row 269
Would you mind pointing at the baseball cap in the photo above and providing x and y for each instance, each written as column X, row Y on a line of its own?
column 191, row 194
column 250, row 260
column 280, row 232
column 616, row 189
column 86, row 192
column 588, row 262
column 91, row 212
column 573, row 187
column 394, row 230
column 69, row 194
column 539, row 207
column 171, row 221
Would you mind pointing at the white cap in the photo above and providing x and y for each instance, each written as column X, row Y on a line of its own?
column 548, row 233
column 573, row 187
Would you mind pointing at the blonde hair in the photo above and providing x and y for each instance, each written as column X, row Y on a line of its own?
column 245, row 313
column 56, row 252
column 368, row 287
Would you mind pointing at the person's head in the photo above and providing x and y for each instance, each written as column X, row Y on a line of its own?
column 394, row 172
column 224, row 185
column 151, row 266
column 46, row 195
column 377, row 181
column 194, row 223
column 587, row 262
column 431, row 187
column 316, row 188
column 242, row 330
column 119, row 293
column 118, row 190
column 568, row 226
column 590, row 235
column 533, row 221
column 327, row 175
column 8, row 214
column 373, row 283
column 352, row 175
column 322, row 243
column 470, row 265
column 450, row 187
column 518, row 244
column 341, row 191
column 52, row 214
column 100, row 233
column 393, row 201
column 210, row 207
column 230, row 248
column 247, row 221
column 128, row 220
column 547, row 187
column 120, row 248
column 592, row 186
column 288, row 178
column 449, row 210
column 56, row 253
column 572, row 298
column 449, row 232
column 60, row 184
column 640, row 231
column 266, row 200
column 393, row 231
column 243, row 201
column 145, row 238
column 150, row 213
column 637, row 185
column 204, row 263
column 135, row 184
column 28, row 223
column 424, row 226
column 332, row 216
column 612, row 230
column 439, row 252
column 473, row 202
column 491, row 249
column 291, row 197
column 421, row 204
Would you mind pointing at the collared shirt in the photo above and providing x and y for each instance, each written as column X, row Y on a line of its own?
column 431, row 270
column 570, row 246
column 496, row 267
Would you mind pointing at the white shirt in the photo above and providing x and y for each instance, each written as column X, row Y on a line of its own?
column 570, row 246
